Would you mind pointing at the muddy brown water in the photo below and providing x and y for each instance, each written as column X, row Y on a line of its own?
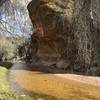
column 39, row 80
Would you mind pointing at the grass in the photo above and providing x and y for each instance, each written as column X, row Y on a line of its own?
column 6, row 92
column 3, row 84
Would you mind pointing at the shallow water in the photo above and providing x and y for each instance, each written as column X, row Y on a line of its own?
column 36, row 79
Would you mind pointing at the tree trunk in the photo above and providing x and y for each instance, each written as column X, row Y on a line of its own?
column 95, row 7
column 84, row 35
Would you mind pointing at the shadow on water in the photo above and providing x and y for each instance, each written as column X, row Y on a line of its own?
column 30, row 67
column 37, row 68
column 46, row 69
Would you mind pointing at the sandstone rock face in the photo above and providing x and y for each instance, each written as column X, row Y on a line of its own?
column 52, row 20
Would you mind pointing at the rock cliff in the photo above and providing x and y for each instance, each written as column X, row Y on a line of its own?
column 52, row 20
column 63, row 33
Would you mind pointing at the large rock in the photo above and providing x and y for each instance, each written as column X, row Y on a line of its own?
column 52, row 20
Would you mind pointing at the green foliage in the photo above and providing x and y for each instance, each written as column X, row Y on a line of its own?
column 23, row 50
column 8, row 47
column 6, row 64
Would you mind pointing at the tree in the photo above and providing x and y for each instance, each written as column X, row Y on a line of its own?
column 96, row 24
column 84, row 36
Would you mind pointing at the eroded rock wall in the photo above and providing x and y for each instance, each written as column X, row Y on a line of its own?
column 63, row 34
column 52, row 20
